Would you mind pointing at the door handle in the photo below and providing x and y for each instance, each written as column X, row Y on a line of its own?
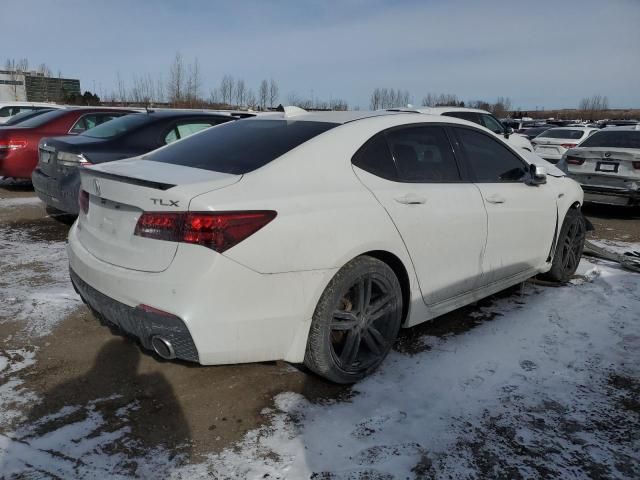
column 411, row 199
column 495, row 198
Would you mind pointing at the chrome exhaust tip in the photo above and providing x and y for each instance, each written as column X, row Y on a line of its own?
column 163, row 347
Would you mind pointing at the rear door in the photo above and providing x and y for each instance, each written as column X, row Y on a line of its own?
column 521, row 218
column 413, row 173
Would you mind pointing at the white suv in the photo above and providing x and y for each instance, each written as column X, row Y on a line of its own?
column 475, row 115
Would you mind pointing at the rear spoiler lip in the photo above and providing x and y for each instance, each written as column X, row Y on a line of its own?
column 130, row 180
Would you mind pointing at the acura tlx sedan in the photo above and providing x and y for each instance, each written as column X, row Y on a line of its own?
column 313, row 237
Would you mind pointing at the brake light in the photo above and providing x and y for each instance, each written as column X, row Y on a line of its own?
column 12, row 144
column 568, row 145
column 575, row 160
column 216, row 230
column 83, row 201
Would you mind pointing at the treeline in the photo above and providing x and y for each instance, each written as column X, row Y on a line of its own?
column 185, row 88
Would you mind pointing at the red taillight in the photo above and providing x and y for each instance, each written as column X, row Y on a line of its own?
column 636, row 165
column 216, row 230
column 568, row 145
column 575, row 160
column 12, row 144
column 83, row 201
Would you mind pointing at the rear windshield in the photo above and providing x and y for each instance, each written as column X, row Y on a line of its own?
column 619, row 139
column 117, row 126
column 239, row 147
column 22, row 116
column 42, row 119
column 563, row 133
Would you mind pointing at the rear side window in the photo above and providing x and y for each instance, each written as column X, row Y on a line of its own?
column 614, row 139
column 489, row 160
column 469, row 116
column 118, row 125
column 423, row 155
column 240, row 147
column 563, row 133
column 375, row 157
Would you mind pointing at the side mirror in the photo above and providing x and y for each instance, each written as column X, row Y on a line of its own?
column 508, row 131
column 537, row 175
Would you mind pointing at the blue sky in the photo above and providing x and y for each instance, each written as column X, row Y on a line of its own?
column 540, row 53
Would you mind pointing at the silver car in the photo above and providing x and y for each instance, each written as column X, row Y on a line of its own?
column 607, row 166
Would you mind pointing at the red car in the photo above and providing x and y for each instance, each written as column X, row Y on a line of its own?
column 19, row 143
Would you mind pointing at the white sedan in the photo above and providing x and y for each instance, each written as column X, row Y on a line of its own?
column 552, row 144
column 313, row 237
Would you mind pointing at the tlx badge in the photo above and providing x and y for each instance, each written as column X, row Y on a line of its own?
column 165, row 203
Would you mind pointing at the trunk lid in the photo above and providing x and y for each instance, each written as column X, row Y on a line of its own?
column 119, row 192
column 49, row 148
column 607, row 162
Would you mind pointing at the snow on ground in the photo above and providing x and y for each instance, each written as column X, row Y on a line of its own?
column 34, row 286
column 546, row 385
column 549, row 387
column 19, row 201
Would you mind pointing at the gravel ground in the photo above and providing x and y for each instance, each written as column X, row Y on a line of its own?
column 536, row 382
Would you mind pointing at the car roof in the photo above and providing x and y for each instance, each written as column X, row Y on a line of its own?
column 436, row 110
column 622, row 127
column 30, row 104
column 172, row 113
column 337, row 117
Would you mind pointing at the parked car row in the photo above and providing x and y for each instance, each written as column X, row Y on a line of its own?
column 9, row 109
column 308, row 237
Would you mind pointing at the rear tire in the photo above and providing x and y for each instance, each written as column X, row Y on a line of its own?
column 356, row 321
column 569, row 248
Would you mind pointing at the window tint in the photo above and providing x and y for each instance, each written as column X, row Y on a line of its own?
column 118, row 125
column 423, row 154
column 186, row 129
column 44, row 118
column 375, row 157
column 491, row 123
column 619, row 139
column 470, row 116
column 489, row 160
column 240, row 147
column 563, row 133
column 87, row 122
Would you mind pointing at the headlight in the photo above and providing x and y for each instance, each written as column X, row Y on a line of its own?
column 71, row 159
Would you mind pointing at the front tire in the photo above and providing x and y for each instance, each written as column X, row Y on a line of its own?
column 355, row 322
column 569, row 248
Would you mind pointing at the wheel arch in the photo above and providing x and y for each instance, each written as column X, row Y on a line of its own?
column 401, row 273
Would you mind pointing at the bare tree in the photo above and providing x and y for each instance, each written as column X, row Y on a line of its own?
column 122, row 89
column 194, row 84
column 593, row 106
column 241, row 92
column 274, row 92
column 227, row 87
column 176, row 85
column 251, row 100
column 263, row 94
column 44, row 70
column 214, row 96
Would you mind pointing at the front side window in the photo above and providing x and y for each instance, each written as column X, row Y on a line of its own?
column 185, row 129
column 491, row 123
column 489, row 160
column 423, row 155
column 118, row 126
column 87, row 122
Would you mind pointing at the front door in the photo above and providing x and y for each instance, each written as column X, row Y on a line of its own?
column 521, row 217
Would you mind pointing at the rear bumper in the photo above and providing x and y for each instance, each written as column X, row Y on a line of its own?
column 18, row 164
column 609, row 190
column 58, row 193
column 231, row 313
column 141, row 324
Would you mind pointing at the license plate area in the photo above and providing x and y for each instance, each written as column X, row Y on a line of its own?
column 610, row 167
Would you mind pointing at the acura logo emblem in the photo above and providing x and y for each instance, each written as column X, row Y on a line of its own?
column 96, row 185
column 608, row 154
